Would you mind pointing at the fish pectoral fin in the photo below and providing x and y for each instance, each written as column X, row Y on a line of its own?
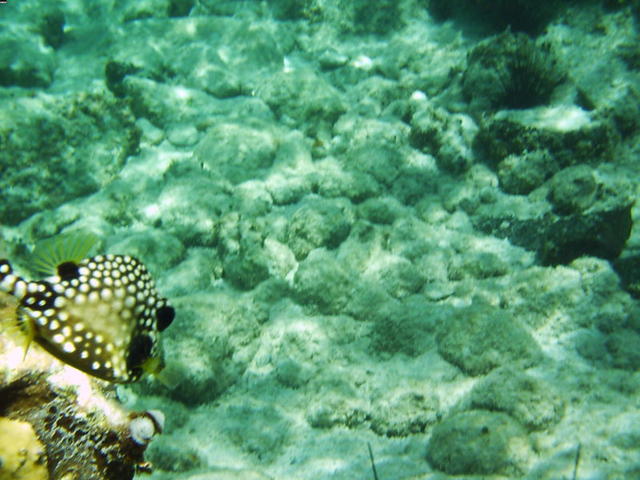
column 25, row 346
column 168, row 377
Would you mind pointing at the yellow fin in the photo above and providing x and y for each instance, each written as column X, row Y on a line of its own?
column 26, row 342
column 68, row 247
column 21, row 332
column 168, row 379
column 156, row 368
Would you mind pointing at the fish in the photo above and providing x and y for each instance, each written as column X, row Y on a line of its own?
column 101, row 314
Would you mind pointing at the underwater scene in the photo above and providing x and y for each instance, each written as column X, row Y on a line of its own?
column 319, row 239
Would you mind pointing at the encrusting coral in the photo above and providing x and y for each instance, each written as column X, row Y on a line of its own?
column 22, row 455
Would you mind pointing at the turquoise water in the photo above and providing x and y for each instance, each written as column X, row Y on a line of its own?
column 408, row 225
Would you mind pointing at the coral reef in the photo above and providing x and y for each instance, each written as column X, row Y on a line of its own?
column 62, row 133
column 375, row 227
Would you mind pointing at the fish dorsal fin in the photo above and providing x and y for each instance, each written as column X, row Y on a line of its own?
column 48, row 254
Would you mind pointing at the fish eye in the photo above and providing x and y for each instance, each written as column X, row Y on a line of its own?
column 68, row 271
column 165, row 316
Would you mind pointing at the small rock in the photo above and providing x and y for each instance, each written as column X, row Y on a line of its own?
column 318, row 223
column 573, row 190
column 520, row 174
column 479, row 442
column 183, row 136
column 529, row 400
column 480, row 338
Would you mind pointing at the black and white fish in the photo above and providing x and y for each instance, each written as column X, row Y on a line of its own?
column 101, row 315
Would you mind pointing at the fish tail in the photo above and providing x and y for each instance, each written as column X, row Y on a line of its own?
column 9, row 282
